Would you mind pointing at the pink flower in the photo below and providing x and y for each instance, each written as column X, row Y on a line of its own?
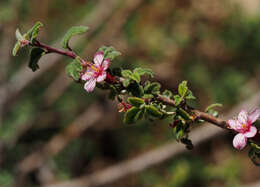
column 96, row 72
column 243, row 125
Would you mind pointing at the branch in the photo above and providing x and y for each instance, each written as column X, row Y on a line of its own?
column 151, row 158
column 50, row 49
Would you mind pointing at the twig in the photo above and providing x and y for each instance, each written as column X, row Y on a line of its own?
column 153, row 157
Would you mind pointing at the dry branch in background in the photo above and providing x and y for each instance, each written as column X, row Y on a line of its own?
column 58, row 142
column 155, row 156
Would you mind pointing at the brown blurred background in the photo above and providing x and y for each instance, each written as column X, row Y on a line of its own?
column 54, row 134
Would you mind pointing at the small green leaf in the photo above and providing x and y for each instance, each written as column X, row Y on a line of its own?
column 33, row 32
column 109, row 52
column 126, row 82
column 18, row 35
column 71, row 32
column 212, row 106
column 74, row 68
column 168, row 94
column 135, row 101
column 178, row 132
column 126, row 73
column 184, row 114
column 143, row 71
column 189, row 95
column 36, row 54
column 153, row 111
column 148, row 96
column 177, row 100
column 16, row 48
column 136, row 77
column 153, row 88
column 182, row 89
column 131, row 115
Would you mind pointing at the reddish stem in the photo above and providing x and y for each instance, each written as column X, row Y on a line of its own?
column 49, row 49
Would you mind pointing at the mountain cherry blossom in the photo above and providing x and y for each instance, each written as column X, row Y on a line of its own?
column 96, row 72
column 243, row 125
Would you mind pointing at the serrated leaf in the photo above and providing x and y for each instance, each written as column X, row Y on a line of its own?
column 153, row 111
column 71, row 32
column 33, row 32
column 212, row 106
column 153, row 88
column 131, row 115
column 182, row 88
column 16, row 48
column 177, row 100
column 74, row 69
column 36, row 54
column 143, row 71
column 135, row 101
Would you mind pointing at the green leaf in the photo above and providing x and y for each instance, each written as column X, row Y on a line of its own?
column 168, row 94
column 153, row 88
column 33, row 32
column 74, row 69
column 16, row 48
column 71, row 32
column 126, row 82
column 184, row 114
column 109, row 52
column 131, row 115
column 148, row 96
column 178, row 132
column 36, row 54
column 18, row 35
column 182, row 89
column 177, row 100
column 189, row 95
column 153, row 111
column 212, row 106
column 143, row 71
column 135, row 101
column 136, row 77
column 126, row 73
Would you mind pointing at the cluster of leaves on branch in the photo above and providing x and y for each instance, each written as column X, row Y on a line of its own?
column 139, row 97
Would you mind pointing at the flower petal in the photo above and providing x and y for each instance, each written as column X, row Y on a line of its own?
column 239, row 141
column 251, row 133
column 253, row 115
column 90, row 85
column 98, row 58
column 242, row 117
column 106, row 63
column 233, row 124
column 88, row 75
column 102, row 77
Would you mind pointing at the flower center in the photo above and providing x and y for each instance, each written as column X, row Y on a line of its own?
column 245, row 127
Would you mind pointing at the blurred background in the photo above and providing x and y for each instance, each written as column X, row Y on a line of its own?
column 54, row 134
